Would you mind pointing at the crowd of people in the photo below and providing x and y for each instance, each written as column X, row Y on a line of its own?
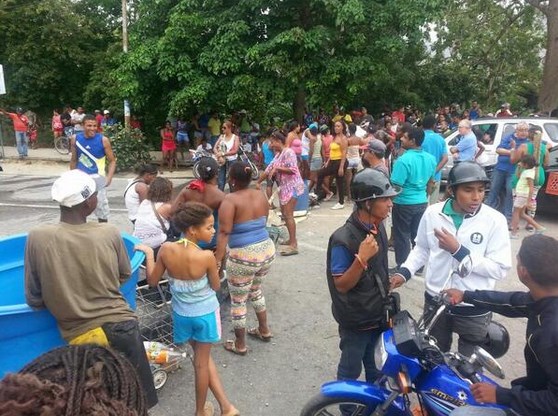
column 386, row 171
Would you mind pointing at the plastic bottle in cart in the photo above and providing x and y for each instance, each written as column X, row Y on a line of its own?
column 159, row 353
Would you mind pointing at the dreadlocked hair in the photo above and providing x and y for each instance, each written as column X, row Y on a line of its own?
column 75, row 380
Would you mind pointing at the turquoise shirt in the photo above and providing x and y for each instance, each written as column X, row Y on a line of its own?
column 435, row 145
column 412, row 171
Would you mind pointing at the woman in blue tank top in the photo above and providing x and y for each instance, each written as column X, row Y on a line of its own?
column 242, row 220
column 193, row 280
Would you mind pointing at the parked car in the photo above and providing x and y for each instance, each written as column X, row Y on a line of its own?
column 492, row 130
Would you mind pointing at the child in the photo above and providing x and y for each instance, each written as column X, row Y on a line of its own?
column 204, row 146
column 193, row 280
column 523, row 194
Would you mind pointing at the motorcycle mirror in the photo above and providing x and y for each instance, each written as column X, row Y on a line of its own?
column 488, row 362
column 465, row 267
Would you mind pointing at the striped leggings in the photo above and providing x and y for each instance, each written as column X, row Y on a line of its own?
column 246, row 270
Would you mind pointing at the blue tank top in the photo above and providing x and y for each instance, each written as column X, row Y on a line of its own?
column 267, row 153
column 193, row 297
column 90, row 154
column 249, row 232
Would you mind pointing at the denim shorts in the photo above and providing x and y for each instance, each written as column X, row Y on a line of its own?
column 205, row 328
column 316, row 164
column 182, row 137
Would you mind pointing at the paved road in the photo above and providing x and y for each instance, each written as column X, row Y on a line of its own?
column 275, row 378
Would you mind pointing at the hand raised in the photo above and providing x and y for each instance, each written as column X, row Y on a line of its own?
column 446, row 240
column 368, row 248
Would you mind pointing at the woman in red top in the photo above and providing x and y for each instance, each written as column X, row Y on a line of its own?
column 168, row 145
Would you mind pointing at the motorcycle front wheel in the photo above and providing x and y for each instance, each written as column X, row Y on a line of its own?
column 195, row 170
column 321, row 405
column 255, row 172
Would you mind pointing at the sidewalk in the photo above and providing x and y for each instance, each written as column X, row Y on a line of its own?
column 51, row 156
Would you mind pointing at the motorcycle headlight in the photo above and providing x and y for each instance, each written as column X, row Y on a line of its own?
column 380, row 354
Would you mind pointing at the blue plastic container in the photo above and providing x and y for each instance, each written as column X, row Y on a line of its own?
column 26, row 333
column 302, row 202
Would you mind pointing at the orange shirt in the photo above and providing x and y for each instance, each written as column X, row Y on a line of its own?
column 20, row 122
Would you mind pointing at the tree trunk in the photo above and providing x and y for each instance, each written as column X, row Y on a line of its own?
column 548, row 95
column 299, row 103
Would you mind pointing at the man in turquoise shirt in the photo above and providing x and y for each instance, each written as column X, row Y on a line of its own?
column 414, row 172
column 436, row 146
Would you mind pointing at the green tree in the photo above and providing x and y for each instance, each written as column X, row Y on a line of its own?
column 257, row 55
column 485, row 50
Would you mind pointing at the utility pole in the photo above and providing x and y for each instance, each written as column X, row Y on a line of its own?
column 125, row 50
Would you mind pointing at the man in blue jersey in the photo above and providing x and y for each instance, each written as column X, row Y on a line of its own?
column 90, row 152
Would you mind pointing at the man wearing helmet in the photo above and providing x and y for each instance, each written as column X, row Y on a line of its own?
column 536, row 393
column 357, row 274
column 448, row 232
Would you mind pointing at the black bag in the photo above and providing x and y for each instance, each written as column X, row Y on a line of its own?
column 172, row 233
column 392, row 304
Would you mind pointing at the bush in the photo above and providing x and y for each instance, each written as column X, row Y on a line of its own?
column 130, row 146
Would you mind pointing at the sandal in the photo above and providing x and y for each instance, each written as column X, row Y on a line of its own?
column 208, row 409
column 233, row 412
column 230, row 346
column 255, row 333
column 328, row 196
column 289, row 251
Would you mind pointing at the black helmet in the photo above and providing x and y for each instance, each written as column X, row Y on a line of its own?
column 497, row 341
column 369, row 184
column 466, row 172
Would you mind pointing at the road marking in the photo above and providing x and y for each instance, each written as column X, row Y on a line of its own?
column 3, row 204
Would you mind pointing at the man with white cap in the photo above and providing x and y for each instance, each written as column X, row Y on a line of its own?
column 75, row 269
column 90, row 151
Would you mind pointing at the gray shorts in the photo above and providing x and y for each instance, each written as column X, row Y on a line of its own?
column 102, row 211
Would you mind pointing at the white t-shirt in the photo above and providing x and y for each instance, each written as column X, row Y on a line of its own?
column 77, row 120
column 147, row 227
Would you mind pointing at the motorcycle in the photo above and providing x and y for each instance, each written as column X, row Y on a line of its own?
column 243, row 156
column 411, row 362
column 197, row 156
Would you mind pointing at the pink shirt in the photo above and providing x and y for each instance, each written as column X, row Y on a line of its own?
column 291, row 184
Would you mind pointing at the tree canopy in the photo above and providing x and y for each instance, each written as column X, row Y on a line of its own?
column 274, row 57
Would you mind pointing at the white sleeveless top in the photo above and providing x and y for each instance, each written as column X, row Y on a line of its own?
column 228, row 145
column 305, row 143
column 131, row 199
column 147, row 227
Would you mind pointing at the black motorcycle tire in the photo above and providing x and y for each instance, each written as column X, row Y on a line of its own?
column 318, row 403
column 195, row 170
column 255, row 172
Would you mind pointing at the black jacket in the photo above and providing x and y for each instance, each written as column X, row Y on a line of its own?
column 361, row 307
column 536, row 394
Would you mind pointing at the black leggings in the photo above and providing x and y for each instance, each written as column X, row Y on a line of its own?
column 332, row 169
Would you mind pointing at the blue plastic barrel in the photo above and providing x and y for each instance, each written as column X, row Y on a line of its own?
column 302, row 201
column 26, row 333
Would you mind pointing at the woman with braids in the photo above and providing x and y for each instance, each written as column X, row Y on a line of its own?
column 242, row 220
column 193, row 280
column 204, row 190
column 226, row 150
column 152, row 218
column 284, row 169
column 76, row 380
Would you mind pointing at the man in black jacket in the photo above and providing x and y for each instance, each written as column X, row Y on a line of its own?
column 536, row 394
column 357, row 274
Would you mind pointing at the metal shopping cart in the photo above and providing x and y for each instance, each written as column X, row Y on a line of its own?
column 155, row 321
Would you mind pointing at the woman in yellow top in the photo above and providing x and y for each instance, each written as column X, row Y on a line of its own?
column 335, row 165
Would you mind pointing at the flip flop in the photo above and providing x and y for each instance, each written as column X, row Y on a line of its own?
column 255, row 333
column 208, row 409
column 289, row 251
column 233, row 412
column 230, row 346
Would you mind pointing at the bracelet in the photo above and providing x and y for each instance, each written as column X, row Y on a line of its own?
column 362, row 263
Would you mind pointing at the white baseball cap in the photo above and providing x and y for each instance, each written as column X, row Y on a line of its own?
column 72, row 188
column 106, row 112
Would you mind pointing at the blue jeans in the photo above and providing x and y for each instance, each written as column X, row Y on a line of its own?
column 223, row 174
column 357, row 349
column 405, row 219
column 21, row 142
column 501, row 180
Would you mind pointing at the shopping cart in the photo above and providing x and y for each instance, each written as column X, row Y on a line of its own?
column 155, row 321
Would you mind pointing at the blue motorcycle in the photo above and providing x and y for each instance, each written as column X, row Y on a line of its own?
column 411, row 363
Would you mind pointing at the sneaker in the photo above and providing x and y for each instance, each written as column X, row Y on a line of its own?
column 338, row 206
column 514, row 236
column 313, row 195
column 540, row 230
column 328, row 196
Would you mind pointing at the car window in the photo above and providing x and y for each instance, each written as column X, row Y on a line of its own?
column 552, row 131
column 488, row 131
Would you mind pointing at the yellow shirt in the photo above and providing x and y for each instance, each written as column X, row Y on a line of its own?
column 214, row 125
column 335, row 151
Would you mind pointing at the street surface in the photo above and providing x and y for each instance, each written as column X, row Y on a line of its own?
column 275, row 378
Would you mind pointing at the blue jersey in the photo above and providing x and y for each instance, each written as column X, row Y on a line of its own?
column 90, row 154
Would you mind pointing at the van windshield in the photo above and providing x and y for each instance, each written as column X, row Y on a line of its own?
column 552, row 131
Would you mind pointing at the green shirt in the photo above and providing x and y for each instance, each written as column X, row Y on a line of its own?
column 456, row 217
